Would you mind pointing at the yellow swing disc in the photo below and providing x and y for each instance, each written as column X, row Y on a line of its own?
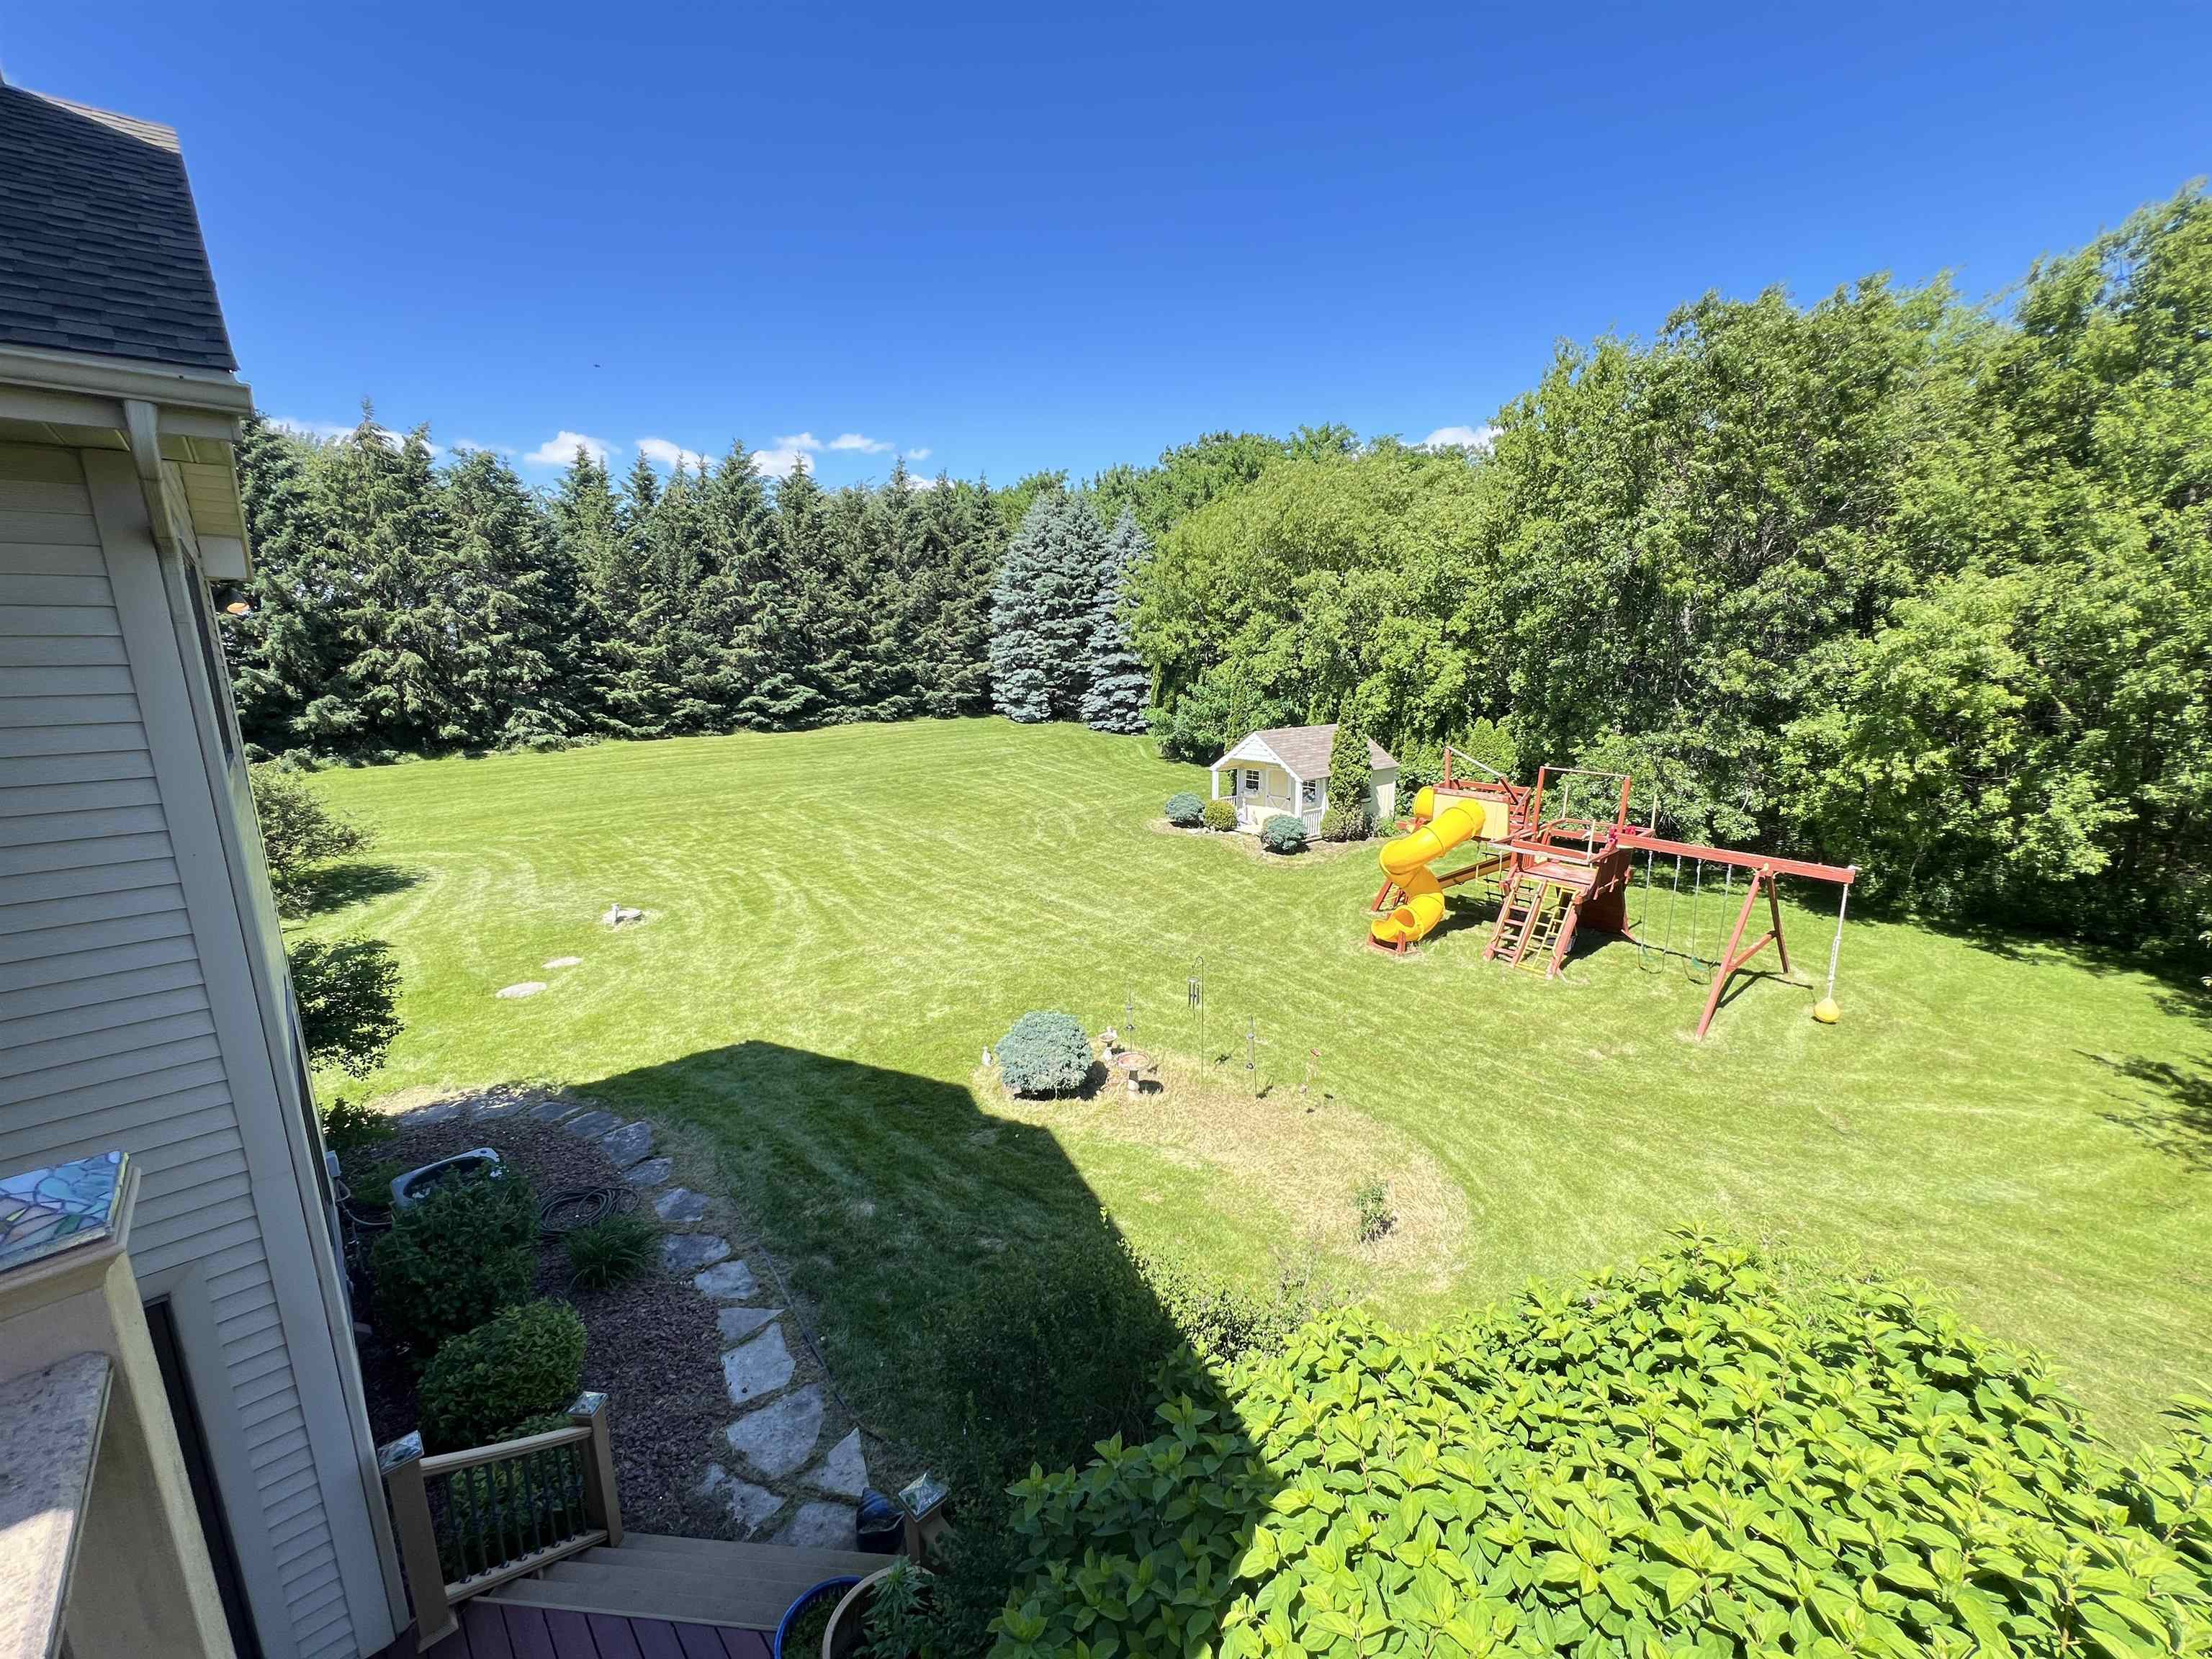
column 1826, row 1012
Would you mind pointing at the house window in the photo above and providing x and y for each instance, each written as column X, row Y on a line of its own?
column 1310, row 792
column 1252, row 781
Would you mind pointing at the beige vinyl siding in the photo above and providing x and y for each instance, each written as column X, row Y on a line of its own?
column 106, row 1038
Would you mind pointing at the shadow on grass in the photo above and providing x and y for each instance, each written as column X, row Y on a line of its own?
column 978, row 1311
column 2181, row 974
column 2174, row 1113
column 334, row 886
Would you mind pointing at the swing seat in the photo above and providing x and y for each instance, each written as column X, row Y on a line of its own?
column 1826, row 1012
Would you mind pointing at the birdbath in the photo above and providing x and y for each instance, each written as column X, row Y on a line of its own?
column 1134, row 1063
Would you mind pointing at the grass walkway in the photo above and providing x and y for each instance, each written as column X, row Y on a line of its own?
column 842, row 919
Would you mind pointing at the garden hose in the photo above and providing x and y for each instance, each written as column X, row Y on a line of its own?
column 568, row 1208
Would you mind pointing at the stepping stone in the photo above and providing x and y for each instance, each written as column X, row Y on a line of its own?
column 749, row 1506
column 680, row 1204
column 493, row 1110
column 529, row 987
column 778, row 1439
column 727, row 1281
column 686, row 1252
column 844, row 1472
column 759, row 1368
column 425, row 1115
column 552, row 1111
column 822, row 1526
column 650, row 1173
column 739, row 1324
column 628, row 1144
column 565, row 962
column 592, row 1124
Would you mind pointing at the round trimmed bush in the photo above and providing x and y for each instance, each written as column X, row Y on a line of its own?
column 1044, row 1054
column 1218, row 814
column 454, row 1260
column 1347, row 823
column 522, row 1364
column 1185, row 810
column 1284, row 834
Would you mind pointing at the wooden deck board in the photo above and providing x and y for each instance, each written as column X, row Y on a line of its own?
column 493, row 1630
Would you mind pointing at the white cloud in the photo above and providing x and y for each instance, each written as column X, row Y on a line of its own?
column 860, row 441
column 670, row 454
column 561, row 448
column 460, row 444
column 921, row 454
column 781, row 459
column 921, row 481
column 1476, row 438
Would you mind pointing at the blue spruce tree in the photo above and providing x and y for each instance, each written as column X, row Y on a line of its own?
column 1041, row 610
column 1114, row 701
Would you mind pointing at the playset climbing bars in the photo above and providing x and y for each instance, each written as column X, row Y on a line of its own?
column 1557, row 871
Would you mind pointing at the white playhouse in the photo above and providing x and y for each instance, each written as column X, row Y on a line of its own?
column 1285, row 769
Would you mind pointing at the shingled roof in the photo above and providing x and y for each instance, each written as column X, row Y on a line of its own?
column 1304, row 749
column 99, row 243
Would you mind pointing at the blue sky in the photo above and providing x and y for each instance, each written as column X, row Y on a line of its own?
column 1002, row 239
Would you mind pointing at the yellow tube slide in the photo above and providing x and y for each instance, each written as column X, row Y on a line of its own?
column 1406, row 861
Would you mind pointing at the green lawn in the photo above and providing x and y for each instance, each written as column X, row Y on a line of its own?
column 842, row 919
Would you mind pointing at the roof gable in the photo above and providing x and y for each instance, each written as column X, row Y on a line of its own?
column 1302, row 750
column 100, row 241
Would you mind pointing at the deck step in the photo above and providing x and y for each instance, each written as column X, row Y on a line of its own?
column 702, row 1581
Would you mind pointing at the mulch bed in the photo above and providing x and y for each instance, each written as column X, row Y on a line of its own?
column 652, row 1344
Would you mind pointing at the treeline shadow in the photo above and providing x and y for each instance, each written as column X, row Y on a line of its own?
column 976, row 1306
column 2174, row 1112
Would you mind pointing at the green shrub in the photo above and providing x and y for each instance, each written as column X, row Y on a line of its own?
column 1672, row 1459
column 454, row 1260
column 1218, row 815
column 1284, row 834
column 523, row 1363
column 1345, row 822
column 1223, row 1322
column 1044, row 1054
column 1185, row 810
column 299, row 834
column 347, row 1126
column 347, row 991
column 608, row 1252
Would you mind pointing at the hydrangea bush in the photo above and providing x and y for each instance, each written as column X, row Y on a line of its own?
column 1674, row 1459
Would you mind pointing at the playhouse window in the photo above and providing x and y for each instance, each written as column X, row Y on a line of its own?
column 1308, row 792
column 1252, row 781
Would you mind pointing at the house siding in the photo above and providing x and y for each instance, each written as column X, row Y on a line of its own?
column 108, row 1037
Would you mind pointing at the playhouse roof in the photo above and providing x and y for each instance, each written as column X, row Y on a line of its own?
column 1302, row 750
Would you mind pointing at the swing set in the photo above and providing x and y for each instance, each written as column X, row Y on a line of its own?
column 1560, row 859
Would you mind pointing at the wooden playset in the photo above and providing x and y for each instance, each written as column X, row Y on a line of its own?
column 1559, row 860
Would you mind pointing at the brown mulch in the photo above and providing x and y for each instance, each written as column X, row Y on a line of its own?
column 652, row 1344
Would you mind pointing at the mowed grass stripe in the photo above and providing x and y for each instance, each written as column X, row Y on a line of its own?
column 842, row 919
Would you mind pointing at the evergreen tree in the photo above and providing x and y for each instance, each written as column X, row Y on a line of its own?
column 379, row 522
column 1040, row 610
column 513, row 603
column 634, row 692
column 585, row 522
column 1349, row 771
column 761, row 639
column 1114, row 700
column 850, row 595
column 283, row 652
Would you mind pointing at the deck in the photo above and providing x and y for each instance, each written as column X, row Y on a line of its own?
column 494, row 1630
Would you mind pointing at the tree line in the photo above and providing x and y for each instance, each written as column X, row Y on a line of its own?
column 1893, row 580
column 401, row 606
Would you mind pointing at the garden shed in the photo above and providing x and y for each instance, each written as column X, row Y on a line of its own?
column 1285, row 769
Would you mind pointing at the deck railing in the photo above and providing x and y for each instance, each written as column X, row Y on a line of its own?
column 467, row 1521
